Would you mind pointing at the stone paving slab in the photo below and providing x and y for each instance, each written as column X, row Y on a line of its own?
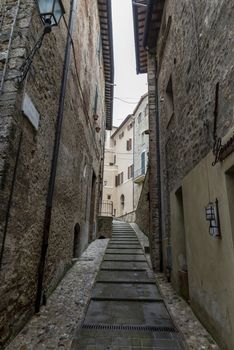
column 124, row 265
column 125, row 251
column 126, row 291
column 128, row 312
column 124, row 257
column 128, row 276
column 89, row 340
column 124, row 246
column 124, row 240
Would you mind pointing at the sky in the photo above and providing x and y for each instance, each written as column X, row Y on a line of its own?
column 129, row 86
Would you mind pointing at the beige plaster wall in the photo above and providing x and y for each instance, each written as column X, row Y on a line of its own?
column 210, row 260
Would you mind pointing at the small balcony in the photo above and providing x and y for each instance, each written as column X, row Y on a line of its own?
column 105, row 208
column 139, row 175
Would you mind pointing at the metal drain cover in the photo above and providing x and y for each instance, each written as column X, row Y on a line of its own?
column 129, row 328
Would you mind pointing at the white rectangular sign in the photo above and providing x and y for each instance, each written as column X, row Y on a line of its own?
column 30, row 111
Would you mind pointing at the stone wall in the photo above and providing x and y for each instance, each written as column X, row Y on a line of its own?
column 142, row 211
column 194, row 54
column 79, row 162
column 104, row 226
column 129, row 217
column 152, row 167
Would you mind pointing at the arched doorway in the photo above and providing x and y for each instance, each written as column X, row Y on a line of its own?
column 76, row 242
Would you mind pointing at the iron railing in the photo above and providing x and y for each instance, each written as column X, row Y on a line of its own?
column 139, row 172
column 105, row 208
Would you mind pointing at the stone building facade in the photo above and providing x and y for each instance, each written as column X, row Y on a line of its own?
column 193, row 70
column 26, row 147
column 126, row 162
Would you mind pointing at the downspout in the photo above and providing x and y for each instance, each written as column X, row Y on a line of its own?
column 159, row 180
column 54, row 162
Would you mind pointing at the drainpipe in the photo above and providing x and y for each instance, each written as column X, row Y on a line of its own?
column 54, row 162
column 159, row 180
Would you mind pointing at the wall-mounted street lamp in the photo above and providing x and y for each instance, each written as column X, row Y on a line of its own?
column 212, row 215
column 50, row 11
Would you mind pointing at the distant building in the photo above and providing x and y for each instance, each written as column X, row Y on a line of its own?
column 126, row 159
column 118, row 168
column 140, row 146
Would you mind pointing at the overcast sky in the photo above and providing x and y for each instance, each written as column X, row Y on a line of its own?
column 129, row 85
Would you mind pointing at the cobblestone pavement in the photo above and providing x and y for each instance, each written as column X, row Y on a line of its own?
column 195, row 335
column 54, row 327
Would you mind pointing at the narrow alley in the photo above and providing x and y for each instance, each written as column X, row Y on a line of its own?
column 116, row 175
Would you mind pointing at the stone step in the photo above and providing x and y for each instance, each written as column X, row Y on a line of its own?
column 124, row 265
column 125, row 291
column 124, row 257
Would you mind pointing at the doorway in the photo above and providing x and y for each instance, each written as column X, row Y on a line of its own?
column 179, row 247
column 230, row 194
column 76, row 242
column 92, row 209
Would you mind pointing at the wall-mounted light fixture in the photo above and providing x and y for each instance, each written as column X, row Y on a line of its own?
column 212, row 215
column 50, row 11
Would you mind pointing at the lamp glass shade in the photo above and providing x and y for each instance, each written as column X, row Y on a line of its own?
column 58, row 11
column 50, row 11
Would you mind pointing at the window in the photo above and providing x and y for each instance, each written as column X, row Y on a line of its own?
column 114, row 142
column 129, row 145
column 139, row 118
column 142, row 163
column 169, row 100
column 119, row 179
column 122, row 201
column 114, row 162
column 130, row 126
column 108, row 196
column 121, row 135
column 130, row 171
column 105, row 183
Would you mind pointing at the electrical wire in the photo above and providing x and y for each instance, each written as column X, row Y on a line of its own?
column 120, row 99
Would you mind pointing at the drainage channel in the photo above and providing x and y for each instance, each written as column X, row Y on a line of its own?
column 126, row 309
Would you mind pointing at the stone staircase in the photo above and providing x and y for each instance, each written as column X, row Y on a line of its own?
column 126, row 310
